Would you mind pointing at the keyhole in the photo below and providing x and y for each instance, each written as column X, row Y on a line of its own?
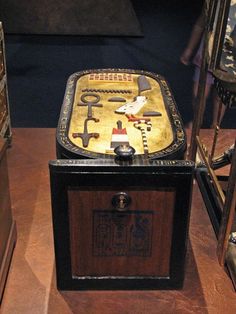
column 121, row 201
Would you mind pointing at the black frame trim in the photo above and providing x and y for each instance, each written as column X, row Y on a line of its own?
column 161, row 174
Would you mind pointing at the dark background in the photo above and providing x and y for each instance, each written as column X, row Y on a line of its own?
column 39, row 65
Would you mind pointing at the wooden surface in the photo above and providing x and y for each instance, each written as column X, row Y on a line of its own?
column 7, row 225
column 31, row 282
column 156, row 262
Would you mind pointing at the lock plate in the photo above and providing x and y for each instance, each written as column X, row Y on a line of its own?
column 121, row 201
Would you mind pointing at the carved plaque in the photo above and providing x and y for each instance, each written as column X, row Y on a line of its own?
column 122, row 234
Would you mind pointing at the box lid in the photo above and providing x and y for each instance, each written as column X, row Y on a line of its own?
column 107, row 107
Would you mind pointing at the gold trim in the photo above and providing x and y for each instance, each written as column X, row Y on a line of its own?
column 206, row 159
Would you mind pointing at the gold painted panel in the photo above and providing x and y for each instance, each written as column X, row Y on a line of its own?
column 158, row 138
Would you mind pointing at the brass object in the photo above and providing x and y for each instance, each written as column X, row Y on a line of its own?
column 230, row 257
column 219, row 56
column 228, row 213
column 215, row 182
column 217, row 129
column 223, row 159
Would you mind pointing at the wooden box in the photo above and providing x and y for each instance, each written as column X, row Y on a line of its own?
column 120, row 225
column 7, row 224
column 97, row 114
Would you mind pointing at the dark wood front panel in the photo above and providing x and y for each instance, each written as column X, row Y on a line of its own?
column 136, row 245
column 107, row 242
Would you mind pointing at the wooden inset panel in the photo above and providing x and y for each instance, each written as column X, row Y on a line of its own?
column 106, row 242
